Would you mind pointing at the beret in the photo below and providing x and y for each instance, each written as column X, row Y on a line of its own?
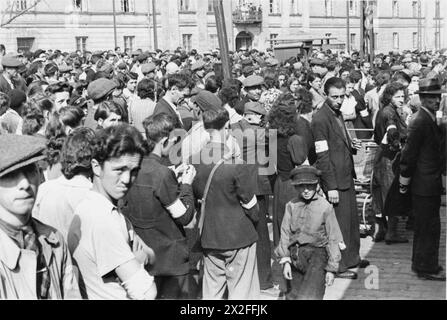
column 17, row 97
column 198, row 65
column 207, row 101
column 147, row 68
column 253, row 81
column 18, row 151
column 100, row 88
column 254, row 107
column 305, row 175
column 10, row 62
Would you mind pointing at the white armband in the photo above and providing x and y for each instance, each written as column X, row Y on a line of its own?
column 391, row 127
column 177, row 209
column 342, row 246
column 251, row 204
column 321, row 146
column 404, row 181
column 364, row 113
column 140, row 286
column 285, row 260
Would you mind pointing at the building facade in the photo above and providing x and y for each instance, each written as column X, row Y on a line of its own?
column 100, row 24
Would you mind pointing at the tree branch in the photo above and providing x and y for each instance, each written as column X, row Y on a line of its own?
column 13, row 17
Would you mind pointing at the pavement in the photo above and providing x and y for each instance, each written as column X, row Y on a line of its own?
column 389, row 277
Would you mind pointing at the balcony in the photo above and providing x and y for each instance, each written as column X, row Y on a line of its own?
column 247, row 15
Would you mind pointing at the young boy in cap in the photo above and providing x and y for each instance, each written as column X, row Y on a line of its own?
column 34, row 258
column 311, row 239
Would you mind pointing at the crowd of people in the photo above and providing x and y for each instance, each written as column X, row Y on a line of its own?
column 147, row 175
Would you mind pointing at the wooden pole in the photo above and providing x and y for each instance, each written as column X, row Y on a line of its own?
column 362, row 29
column 348, row 28
column 114, row 24
column 223, row 39
column 154, row 20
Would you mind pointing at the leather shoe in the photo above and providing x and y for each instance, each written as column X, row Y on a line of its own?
column 347, row 275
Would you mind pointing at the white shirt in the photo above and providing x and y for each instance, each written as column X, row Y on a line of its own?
column 100, row 241
column 57, row 200
column 234, row 116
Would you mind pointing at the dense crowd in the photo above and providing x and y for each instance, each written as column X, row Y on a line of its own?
column 146, row 174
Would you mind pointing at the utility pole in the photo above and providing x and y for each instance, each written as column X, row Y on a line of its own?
column 419, row 25
column 348, row 28
column 223, row 39
column 114, row 24
column 362, row 29
column 154, row 20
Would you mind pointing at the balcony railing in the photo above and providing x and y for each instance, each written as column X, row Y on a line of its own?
column 247, row 15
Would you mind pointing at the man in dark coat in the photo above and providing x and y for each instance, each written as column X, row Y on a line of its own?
column 421, row 167
column 179, row 86
column 335, row 159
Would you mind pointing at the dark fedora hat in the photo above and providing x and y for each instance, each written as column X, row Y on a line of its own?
column 430, row 86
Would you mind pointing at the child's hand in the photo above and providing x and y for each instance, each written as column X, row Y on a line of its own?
column 287, row 271
column 330, row 279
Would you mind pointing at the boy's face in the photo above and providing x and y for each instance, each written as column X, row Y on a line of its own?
column 18, row 191
column 306, row 191
column 117, row 175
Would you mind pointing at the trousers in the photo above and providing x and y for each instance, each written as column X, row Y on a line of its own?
column 232, row 273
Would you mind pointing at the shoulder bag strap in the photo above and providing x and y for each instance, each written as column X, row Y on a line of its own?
column 205, row 194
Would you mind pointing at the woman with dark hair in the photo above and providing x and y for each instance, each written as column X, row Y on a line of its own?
column 272, row 92
column 291, row 152
column 108, row 114
column 314, row 82
column 142, row 107
column 57, row 199
column 293, row 84
column 390, row 134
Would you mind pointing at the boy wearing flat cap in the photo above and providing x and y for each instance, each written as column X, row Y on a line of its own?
column 311, row 239
column 34, row 259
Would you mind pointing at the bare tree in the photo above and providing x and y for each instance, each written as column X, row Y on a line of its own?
column 12, row 12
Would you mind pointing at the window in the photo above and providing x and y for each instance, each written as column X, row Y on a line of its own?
column 352, row 7
column 294, row 9
column 128, row 5
column 214, row 41
column 274, row 7
column 273, row 36
column 25, row 44
column 395, row 41
column 187, row 41
column 395, row 9
column 129, row 42
column 80, row 5
column 21, row 5
column 328, row 8
column 415, row 39
column 81, row 43
column 184, row 5
column 352, row 41
column 210, row 6
column 414, row 7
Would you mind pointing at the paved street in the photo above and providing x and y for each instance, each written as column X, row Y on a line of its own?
column 395, row 279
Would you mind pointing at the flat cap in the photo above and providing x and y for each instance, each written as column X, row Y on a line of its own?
column 18, row 151
column 50, row 68
column 253, row 81
column 148, row 68
column 38, row 52
column 100, row 88
column 318, row 62
column 272, row 62
column 65, row 68
column 207, row 100
column 407, row 60
column 198, row 65
column 122, row 66
column 254, row 107
column 11, row 62
column 142, row 57
column 135, row 53
column 305, row 175
column 98, row 53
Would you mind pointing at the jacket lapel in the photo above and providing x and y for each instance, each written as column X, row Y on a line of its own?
column 336, row 127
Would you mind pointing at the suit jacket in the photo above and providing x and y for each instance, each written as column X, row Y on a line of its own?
column 422, row 158
column 164, row 107
column 334, row 151
column 5, row 87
